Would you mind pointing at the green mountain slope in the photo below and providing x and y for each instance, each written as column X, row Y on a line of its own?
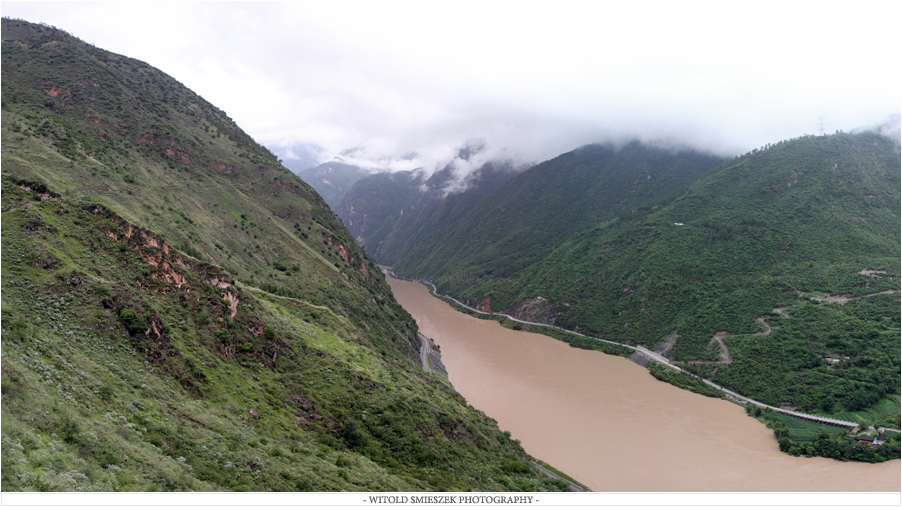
column 523, row 220
column 391, row 213
column 180, row 312
column 435, row 210
column 372, row 206
column 791, row 252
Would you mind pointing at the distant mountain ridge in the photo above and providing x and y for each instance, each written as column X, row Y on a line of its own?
column 529, row 215
column 332, row 180
column 298, row 157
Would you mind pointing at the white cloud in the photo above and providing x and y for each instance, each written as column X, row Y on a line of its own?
column 532, row 80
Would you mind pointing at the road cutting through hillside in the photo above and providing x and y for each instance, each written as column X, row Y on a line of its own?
column 425, row 349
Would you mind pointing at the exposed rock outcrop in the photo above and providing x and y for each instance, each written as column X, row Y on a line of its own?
column 158, row 254
column 537, row 309
column 348, row 256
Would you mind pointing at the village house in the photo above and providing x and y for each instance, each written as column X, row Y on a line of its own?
column 872, row 439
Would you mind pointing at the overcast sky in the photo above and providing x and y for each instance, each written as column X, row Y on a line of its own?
column 530, row 80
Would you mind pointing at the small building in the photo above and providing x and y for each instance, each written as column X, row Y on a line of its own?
column 867, row 439
column 787, row 406
column 872, row 440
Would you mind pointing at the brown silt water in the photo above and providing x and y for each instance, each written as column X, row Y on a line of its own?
column 608, row 422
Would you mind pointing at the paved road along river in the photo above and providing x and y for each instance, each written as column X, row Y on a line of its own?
column 608, row 421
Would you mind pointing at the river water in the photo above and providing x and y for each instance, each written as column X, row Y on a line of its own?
column 606, row 421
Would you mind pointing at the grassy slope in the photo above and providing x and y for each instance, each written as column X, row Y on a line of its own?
column 178, row 278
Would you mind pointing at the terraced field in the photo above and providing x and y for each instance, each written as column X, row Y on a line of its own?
column 801, row 430
column 885, row 413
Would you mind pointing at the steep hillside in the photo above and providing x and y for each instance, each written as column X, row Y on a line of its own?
column 437, row 209
column 391, row 213
column 790, row 254
column 332, row 180
column 180, row 312
column 372, row 207
column 523, row 220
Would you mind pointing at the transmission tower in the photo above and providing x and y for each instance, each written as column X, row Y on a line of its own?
column 820, row 126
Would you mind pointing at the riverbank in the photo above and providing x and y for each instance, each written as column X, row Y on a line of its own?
column 614, row 425
column 671, row 374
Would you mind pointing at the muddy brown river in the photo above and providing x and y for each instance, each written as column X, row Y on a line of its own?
column 607, row 422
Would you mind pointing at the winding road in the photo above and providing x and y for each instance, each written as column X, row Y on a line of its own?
column 425, row 349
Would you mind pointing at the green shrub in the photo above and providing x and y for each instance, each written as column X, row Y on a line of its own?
column 17, row 330
column 69, row 431
column 105, row 392
column 133, row 322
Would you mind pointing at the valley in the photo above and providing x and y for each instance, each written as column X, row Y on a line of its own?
column 576, row 408
column 642, row 356
column 181, row 312
column 751, row 278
